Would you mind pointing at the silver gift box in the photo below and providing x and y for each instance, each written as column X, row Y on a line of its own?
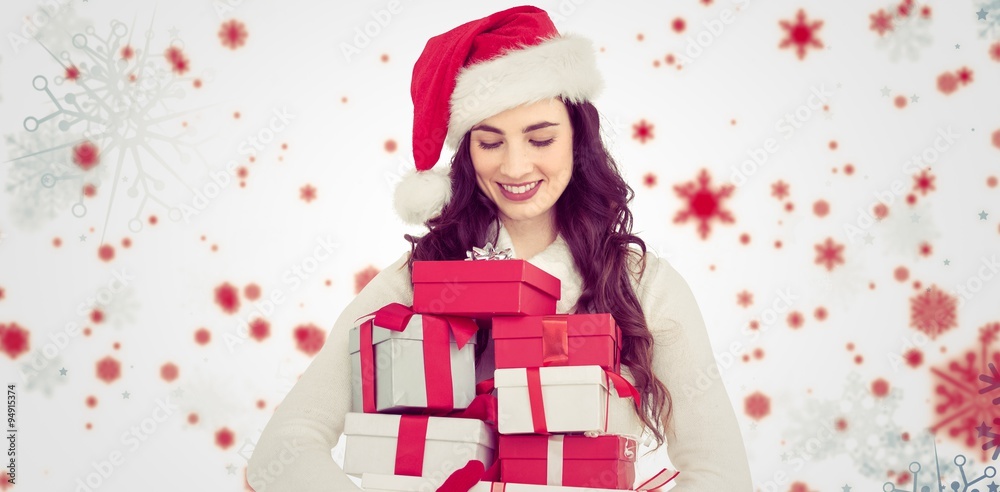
column 400, row 384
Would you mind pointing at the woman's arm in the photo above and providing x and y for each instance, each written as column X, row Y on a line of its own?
column 293, row 452
column 704, row 440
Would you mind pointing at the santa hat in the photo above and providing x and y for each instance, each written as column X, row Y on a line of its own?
column 475, row 71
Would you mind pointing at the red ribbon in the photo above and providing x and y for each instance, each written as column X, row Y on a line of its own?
column 555, row 341
column 661, row 478
column 624, row 388
column 535, row 400
column 436, row 345
column 621, row 385
column 410, row 443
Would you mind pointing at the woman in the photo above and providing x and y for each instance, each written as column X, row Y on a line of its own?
column 530, row 173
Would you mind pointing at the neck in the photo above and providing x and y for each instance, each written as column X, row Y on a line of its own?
column 531, row 236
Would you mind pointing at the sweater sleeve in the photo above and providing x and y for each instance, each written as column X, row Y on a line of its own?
column 703, row 437
column 293, row 453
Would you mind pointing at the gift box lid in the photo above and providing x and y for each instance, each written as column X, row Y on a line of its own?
column 414, row 331
column 438, row 428
column 513, row 270
column 576, row 325
column 554, row 375
column 531, row 447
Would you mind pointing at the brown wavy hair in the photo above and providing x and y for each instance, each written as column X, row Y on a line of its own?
column 593, row 217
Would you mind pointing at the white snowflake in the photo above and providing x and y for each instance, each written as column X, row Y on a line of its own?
column 121, row 310
column 990, row 26
column 43, row 181
column 869, row 436
column 45, row 379
column 122, row 104
column 909, row 34
column 843, row 284
column 213, row 396
column 905, row 228
column 56, row 28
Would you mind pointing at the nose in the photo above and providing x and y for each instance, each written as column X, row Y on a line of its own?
column 516, row 161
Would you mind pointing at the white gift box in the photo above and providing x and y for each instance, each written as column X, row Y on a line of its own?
column 450, row 443
column 575, row 399
column 393, row 483
column 400, row 382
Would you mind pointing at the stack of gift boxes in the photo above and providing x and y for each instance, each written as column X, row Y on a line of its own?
column 418, row 414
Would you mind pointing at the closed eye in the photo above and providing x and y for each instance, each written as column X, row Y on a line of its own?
column 546, row 143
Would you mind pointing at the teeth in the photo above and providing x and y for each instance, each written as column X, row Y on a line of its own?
column 517, row 190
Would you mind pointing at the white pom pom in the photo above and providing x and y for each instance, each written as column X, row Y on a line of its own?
column 422, row 195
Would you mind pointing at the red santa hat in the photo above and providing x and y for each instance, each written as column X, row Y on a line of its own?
column 476, row 70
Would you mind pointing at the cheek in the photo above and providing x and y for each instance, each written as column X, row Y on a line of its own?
column 481, row 169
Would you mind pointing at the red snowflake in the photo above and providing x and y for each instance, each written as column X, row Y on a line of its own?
column 13, row 339
column 799, row 487
column 926, row 249
column 704, row 203
column 964, row 75
column 829, row 254
column 251, row 292
column 309, row 338
column 880, row 387
column 224, row 438
column 960, row 408
column 642, row 131
column 795, row 320
column 178, row 62
column 925, row 12
column 106, row 252
column 649, row 180
column 260, row 329
column 678, row 25
column 881, row 22
column 362, row 278
column 108, row 369
column 85, row 155
column 757, row 405
column 933, row 312
column 227, row 297
column 995, row 51
column 914, row 358
column 779, row 189
column 168, row 371
column 924, row 183
column 904, row 8
column 744, row 298
column 72, row 73
column 307, row 193
column 947, row 83
column 233, row 34
column 801, row 34
column 127, row 52
column 202, row 336
column 996, row 139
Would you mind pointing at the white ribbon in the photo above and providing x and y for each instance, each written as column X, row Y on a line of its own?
column 554, row 460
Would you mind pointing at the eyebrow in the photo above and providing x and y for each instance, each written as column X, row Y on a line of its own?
column 529, row 128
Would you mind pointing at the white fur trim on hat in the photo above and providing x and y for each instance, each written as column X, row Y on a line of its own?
column 420, row 196
column 559, row 66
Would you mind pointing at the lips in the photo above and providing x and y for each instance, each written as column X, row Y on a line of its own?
column 521, row 191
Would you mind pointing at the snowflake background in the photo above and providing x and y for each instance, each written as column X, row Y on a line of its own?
column 228, row 161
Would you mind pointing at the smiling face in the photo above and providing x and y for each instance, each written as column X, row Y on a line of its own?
column 523, row 159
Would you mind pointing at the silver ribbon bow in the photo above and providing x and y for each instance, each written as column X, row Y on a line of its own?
column 488, row 252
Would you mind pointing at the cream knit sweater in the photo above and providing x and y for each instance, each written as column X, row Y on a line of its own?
column 704, row 441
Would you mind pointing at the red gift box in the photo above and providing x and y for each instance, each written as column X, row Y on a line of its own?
column 557, row 340
column 606, row 462
column 483, row 288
